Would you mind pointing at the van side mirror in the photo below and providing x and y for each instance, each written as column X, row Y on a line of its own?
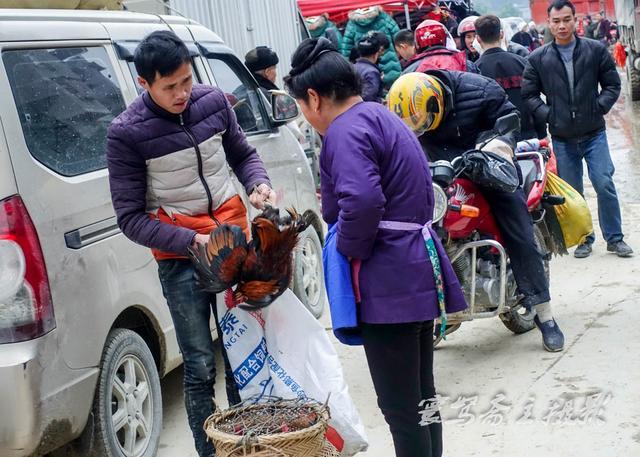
column 507, row 124
column 283, row 107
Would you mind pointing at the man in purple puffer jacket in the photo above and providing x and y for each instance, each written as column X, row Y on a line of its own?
column 167, row 156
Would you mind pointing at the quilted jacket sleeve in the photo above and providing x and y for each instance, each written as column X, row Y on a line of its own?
column 609, row 80
column 532, row 88
column 496, row 104
column 348, row 40
column 389, row 62
column 128, row 183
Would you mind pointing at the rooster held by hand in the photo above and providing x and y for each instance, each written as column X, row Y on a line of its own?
column 261, row 269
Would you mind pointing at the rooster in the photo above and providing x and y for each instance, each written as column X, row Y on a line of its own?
column 261, row 269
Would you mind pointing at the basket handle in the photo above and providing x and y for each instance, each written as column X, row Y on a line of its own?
column 216, row 408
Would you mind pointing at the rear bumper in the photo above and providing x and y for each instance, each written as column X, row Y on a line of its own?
column 44, row 403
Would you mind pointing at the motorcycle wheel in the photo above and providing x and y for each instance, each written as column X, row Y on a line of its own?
column 520, row 320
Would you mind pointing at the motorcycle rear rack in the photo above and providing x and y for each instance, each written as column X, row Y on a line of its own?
column 471, row 313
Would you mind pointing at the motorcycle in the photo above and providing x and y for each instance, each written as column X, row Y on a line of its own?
column 470, row 235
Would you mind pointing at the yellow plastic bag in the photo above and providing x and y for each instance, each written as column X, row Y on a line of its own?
column 573, row 216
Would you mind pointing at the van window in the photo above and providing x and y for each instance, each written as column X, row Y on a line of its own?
column 66, row 98
column 240, row 93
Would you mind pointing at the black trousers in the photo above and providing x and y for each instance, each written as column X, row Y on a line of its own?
column 516, row 227
column 400, row 358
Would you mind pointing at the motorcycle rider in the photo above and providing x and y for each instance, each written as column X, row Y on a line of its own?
column 436, row 49
column 467, row 33
column 461, row 111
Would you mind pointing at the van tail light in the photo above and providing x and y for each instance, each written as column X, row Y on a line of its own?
column 26, row 309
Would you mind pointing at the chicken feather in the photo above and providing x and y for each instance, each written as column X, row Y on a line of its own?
column 262, row 268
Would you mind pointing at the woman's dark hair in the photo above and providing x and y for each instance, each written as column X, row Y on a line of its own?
column 368, row 45
column 318, row 65
column 160, row 52
column 382, row 38
column 559, row 4
column 354, row 54
column 488, row 28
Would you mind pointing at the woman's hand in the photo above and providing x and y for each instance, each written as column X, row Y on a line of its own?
column 261, row 195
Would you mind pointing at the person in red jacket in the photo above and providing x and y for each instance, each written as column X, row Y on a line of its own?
column 433, row 53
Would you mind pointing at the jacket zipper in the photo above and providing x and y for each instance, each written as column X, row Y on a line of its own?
column 566, row 73
column 200, row 170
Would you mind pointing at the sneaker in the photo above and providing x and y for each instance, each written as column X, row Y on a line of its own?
column 621, row 249
column 583, row 251
column 552, row 336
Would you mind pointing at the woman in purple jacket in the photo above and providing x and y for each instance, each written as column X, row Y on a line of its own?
column 370, row 51
column 376, row 187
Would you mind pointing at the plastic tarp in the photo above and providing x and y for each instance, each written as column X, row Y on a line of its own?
column 338, row 9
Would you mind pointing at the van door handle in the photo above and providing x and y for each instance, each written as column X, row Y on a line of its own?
column 92, row 233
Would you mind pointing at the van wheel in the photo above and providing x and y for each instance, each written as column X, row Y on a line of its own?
column 127, row 410
column 308, row 276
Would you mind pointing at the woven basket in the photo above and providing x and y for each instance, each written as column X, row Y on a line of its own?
column 329, row 451
column 268, row 451
column 308, row 442
column 258, row 450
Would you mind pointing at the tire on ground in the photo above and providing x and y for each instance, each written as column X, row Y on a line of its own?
column 122, row 346
column 308, row 274
column 633, row 77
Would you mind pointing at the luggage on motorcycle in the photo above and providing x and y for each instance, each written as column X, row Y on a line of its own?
column 491, row 170
column 568, row 223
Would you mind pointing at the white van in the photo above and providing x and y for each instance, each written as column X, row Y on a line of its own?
column 85, row 333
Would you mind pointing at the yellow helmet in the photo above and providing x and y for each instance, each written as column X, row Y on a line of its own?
column 418, row 99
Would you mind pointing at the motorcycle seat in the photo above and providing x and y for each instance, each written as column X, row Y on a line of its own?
column 529, row 174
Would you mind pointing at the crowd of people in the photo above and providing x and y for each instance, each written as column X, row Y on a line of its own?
column 376, row 183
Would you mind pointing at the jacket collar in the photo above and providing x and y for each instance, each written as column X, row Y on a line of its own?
column 578, row 42
column 366, row 61
column 497, row 50
column 430, row 51
column 163, row 113
column 446, row 82
column 264, row 82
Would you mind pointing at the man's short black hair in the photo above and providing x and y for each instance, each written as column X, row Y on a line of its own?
column 160, row 52
column 559, row 4
column 488, row 28
column 404, row 36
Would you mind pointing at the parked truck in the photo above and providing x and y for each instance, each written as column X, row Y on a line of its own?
column 628, row 15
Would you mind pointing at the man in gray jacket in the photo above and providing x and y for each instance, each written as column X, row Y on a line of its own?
column 170, row 185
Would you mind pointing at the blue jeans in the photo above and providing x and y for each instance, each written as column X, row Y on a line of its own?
column 594, row 151
column 191, row 309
